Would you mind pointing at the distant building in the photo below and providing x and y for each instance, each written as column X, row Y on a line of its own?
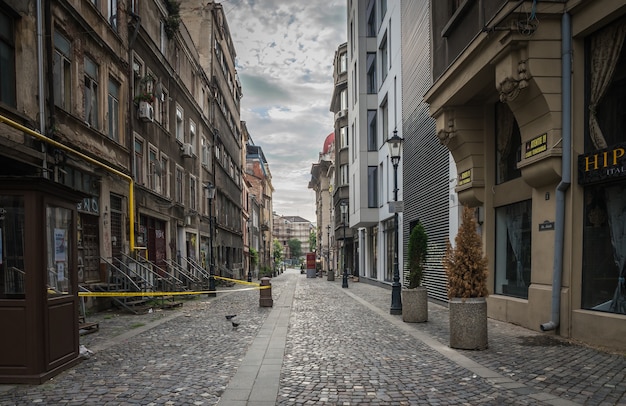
column 321, row 182
column 293, row 227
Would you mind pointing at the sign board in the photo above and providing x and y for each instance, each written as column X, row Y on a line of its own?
column 602, row 165
column 396, row 207
column 465, row 177
column 546, row 225
column 536, row 146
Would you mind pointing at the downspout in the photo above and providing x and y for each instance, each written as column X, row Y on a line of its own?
column 40, row 85
column 559, row 229
column 131, row 185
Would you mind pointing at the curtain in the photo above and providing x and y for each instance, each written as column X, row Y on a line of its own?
column 616, row 210
column 505, row 122
column 605, row 50
column 514, row 231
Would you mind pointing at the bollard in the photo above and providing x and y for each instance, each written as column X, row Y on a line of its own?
column 265, row 295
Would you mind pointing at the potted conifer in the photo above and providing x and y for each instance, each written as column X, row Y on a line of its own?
column 415, row 297
column 466, row 268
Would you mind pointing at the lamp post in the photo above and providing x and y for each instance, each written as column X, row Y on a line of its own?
column 210, row 187
column 395, row 147
column 249, row 251
column 328, row 248
column 344, row 210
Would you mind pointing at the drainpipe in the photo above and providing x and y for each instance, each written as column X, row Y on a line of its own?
column 559, row 232
column 40, row 85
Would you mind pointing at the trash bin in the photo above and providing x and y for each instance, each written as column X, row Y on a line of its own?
column 331, row 275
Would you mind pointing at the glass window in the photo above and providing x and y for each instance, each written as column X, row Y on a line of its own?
column 390, row 229
column 192, row 136
column 59, row 234
column 114, row 110
column 373, row 242
column 384, row 58
column 154, row 171
column 179, row 185
column 113, row 14
column 62, row 71
column 508, row 144
column 180, row 129
column 604, row 248
column 371, row 73
column 165, row 176
column 385, row 124
column 343, row 175
column 343, row 137
column 372, row 133
column 139, row 162
column 344, row 99
column 343, row 62
column 12, row 241
column 513, row 249
column 372, row 24
column 372, row 186
column 7, row 60
column 91, row 93
column 192, row 193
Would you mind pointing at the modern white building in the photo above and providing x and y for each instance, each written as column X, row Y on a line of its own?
column 374, row 115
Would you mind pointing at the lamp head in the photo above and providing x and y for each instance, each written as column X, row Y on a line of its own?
column 395, row 147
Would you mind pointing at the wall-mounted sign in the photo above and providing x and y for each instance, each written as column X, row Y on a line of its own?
column 536, row 146
column 465, row 177
column 602, row 165
column 89, row 205
column 396, row 207
column 546, row 225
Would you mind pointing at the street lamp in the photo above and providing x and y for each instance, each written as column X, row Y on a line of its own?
column 395, row 149
column 210, row 187
column 344, row 210
column 331, row 272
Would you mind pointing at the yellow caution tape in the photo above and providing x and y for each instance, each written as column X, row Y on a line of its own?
column 158, row 294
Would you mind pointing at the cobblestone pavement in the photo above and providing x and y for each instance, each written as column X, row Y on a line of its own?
column 343, row 348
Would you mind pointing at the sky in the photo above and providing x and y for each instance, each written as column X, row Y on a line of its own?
column 285, row 51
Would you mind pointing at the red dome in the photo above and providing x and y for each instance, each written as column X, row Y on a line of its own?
column 329, row 142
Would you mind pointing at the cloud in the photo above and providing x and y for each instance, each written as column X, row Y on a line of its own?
column 285, row 53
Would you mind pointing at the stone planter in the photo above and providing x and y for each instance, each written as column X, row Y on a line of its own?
column 468, row 323
column 415, row 305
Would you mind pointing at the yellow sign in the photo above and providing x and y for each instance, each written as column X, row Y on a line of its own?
column 536, row 146
column 465, row 177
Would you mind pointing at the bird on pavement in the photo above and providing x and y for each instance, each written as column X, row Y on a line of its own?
column 235, row 324
column 230, row 316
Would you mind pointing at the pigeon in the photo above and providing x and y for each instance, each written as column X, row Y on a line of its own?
column 235, row 324
column 230, row 316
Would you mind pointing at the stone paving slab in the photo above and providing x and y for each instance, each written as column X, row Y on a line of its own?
column 341, row 347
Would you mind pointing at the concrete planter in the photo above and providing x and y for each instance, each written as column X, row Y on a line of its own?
column 468, row 323
column 415, row 305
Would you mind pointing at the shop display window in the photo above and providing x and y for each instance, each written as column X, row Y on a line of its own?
column 513, row 249
column 12, row 274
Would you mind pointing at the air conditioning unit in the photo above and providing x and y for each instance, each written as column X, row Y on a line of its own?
column 187, row 150
column 146, row 111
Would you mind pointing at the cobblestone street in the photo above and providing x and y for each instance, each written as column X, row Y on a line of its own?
column 341, row 347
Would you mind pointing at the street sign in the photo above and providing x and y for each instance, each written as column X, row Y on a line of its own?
column 396, row 207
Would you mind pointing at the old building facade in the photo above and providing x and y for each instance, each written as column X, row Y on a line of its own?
column 527, row 97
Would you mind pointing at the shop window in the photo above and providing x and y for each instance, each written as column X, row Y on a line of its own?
column 390, row 228
column 604, row 222
column 513, row 249
column 604, row 248
column 373, row 245
column 508, row 144
column 12, row 241
column 59, row 234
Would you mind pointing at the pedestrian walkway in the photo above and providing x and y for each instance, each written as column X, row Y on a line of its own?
column 320, row 344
